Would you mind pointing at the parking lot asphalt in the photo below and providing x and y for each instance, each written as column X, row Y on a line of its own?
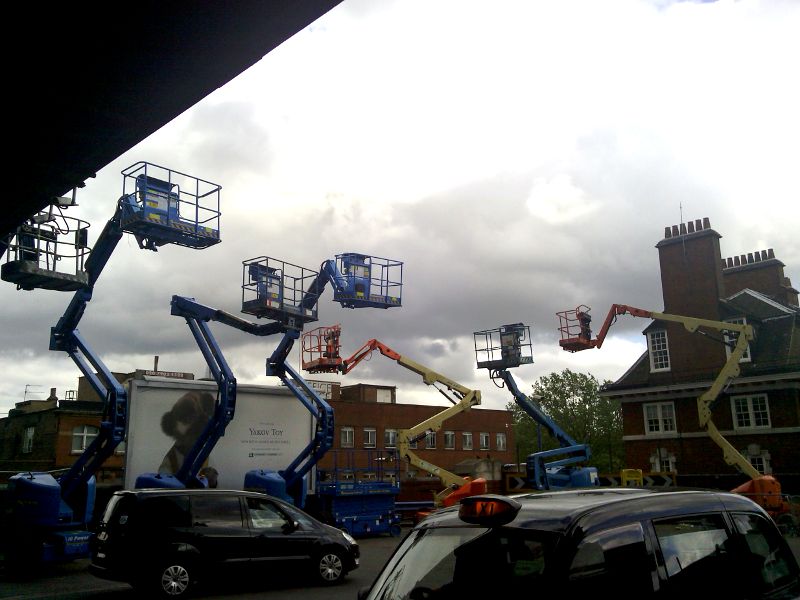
column 72, row 580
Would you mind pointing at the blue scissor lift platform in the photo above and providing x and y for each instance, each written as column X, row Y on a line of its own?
column 358, row 492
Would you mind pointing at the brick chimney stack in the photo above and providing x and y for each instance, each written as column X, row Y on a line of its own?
column 691, row 271
column 759, row 271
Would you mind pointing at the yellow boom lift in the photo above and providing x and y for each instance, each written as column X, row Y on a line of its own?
column 576, row 335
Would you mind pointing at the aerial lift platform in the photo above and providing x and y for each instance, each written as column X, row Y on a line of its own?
column 510, row 346
column 51, row 512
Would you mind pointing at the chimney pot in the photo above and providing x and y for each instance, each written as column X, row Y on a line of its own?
column 736, row 262
column 750, row 258
column 763, row 255
column 706, row 223
column 691, row 227
column 675, row 231
column 667, row 232
column 757, row 256
column 771, row 253
column 698, row 225
column 683, row 228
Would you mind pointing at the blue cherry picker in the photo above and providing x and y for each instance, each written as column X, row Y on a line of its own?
column 507, row 347
column 287, row 295
column 158, row 206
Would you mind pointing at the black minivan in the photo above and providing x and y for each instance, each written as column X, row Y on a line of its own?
column 167, row 541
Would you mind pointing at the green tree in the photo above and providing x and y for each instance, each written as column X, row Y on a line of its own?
column 571, row 400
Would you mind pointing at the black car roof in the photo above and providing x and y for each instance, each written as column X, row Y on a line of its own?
column 188, row 491
column 559, row 511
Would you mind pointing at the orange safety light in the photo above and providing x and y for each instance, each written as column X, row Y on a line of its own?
column 489, row 510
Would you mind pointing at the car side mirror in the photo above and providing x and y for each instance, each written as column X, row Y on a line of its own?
column 290, row 526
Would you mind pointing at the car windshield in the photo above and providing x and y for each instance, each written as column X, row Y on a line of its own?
column 462, row 562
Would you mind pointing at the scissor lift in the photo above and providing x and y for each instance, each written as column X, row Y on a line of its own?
column 358, row 492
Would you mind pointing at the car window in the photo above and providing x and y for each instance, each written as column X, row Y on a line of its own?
column 164, row 511
column 612, row 559
column 306, row 522
column 265, row 515
column 465, row 562
column 696, row 551
column 765, row 564
column 216, row 511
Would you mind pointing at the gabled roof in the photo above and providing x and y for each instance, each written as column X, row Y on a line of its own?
column 775, row 348
column 757, row 305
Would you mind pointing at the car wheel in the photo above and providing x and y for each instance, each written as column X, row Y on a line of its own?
column 330, row 567
column 175, row 579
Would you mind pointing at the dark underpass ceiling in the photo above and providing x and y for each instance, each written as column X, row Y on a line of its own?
column 88, row 81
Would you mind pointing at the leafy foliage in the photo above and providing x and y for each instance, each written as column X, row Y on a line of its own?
column 571, row 400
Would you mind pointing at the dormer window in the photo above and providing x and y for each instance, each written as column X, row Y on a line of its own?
column 732, row 336
column 658, row 349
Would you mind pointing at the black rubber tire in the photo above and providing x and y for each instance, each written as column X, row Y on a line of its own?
column 329, row 566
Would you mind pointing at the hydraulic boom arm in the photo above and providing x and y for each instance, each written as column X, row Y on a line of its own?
column 576, row 336
column 462, row 398
column 66, row 337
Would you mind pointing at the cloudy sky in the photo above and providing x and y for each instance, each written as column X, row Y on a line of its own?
column 520, row 158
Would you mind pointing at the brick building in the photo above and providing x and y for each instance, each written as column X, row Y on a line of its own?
column 759, row 411
column 49, row 435
column 475, row 443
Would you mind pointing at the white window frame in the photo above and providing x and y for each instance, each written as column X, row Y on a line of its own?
column 449, row 440
column 484, row 440
column 500, row 441
column 27, row 440
column 466, row 440
column 751, row 412
column 759, row 458
column 430, row 440
column 658, row 350
column 346, row 437
column 370, row 437
column 732, row 336
column 662, row 460
column 82, row 436
column 659, row 418
column 390, row 438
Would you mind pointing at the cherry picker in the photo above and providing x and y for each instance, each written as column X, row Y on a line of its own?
column 158, row 206
column 320, row 355
column 287, row 295
column 509, row 346
column 576, row 335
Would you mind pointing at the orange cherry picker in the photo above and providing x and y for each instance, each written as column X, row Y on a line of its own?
column 321, row 355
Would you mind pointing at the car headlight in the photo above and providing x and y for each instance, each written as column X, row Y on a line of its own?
column 350, row 539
